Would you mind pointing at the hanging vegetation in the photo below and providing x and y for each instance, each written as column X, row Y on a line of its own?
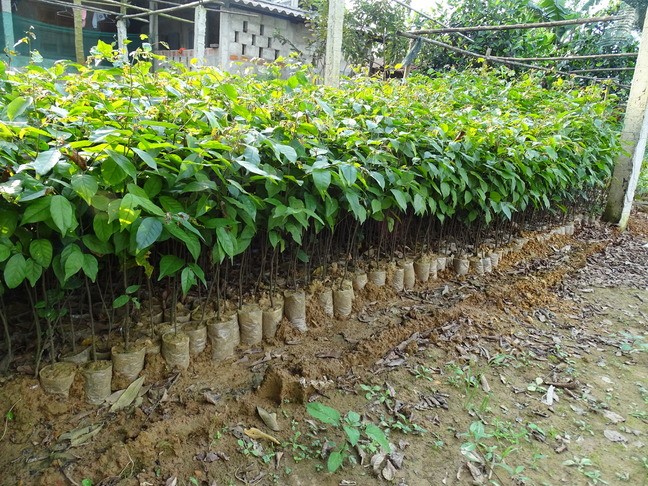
column 122, row 184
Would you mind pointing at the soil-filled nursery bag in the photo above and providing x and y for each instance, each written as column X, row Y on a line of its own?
column 97, row 377
column 271, row 319
column 57, row 378
column 325, row 299
column 343, row 302
column 224, row 336
column 295, row 308
column 175, row 350
column 378, row 277
column 127, row 365
column 250, row 318
column 461, row 265
column 409, row 276
column 197, row 333
column 397, row 279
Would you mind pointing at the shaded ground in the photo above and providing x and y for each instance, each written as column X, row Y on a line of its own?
column 535, row 374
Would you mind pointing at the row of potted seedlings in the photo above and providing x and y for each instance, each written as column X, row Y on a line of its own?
column 253, row 323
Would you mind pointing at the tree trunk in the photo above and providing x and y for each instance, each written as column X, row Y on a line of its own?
column 633, row 140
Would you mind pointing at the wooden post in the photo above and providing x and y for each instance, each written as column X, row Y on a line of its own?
column 335, row 29
column 153, row 25
column 633, row 140
column 7, row 24
column 78, row 32
column 200, row 34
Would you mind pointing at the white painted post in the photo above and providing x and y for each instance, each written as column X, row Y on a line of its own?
column 224, row 39
column 334, row 33
column 200, row 34
column 633, row 141
column 7, row 25
column 122, row 37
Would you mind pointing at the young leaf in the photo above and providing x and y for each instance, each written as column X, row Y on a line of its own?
column 85, row 186
column 41, row 251
column 73, row 261
column 323, row 413
column 335, row 461
column 170, row 264
column 353, row 434
column 120, row 301
column 148, row 232
column 33, row 271
column 187, row 280
column 15, row 271
column 90, row 266
column 62, row 213
column 377, row 435
column 17, row 107
column 45, row 161
column 38, row 210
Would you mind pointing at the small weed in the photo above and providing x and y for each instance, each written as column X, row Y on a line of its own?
column 585, row 467
column 423, row 372
column 458, row 376
column 641, row 415
column 357, row 434
column 501, row 359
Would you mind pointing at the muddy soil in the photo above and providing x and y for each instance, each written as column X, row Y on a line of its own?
column 534, row 374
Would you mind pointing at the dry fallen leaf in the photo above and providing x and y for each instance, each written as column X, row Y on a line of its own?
column 614, row 436
column 270, row 419
column 254, row 433
column 389, row 471
column 613, row 417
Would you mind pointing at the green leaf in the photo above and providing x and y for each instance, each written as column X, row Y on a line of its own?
column 334, row 461
column 62, row 213
column 285, row 150
column 45, row 161
column 148, row 232
column 90, row 266
column 353, row 434
column 400, row 198
column 127, row 211
column 95, row 245
column 187, row 280
column 377, row 435
column 5, row 252
column 321, row 179
column 121, row 301
column 85, row 186
column 323, row 413
column 17, row 106
column 73, row 262
column 171, row 205
column 146, row 158
column 8, row 222
column 102, row 228
column 36, row 211
column 41, row 251
column 15, row 271
column 190, row 240
column 169, row 265
column 226, row 241
column 33, row 271
column 349, row 172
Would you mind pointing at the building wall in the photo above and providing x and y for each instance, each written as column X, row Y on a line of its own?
column 250, row 36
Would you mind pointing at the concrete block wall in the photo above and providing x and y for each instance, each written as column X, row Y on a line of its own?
column 254, row 38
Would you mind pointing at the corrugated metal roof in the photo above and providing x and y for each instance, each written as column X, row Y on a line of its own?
column 275, row 7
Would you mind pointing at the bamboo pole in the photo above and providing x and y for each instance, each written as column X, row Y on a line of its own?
column 537, row 25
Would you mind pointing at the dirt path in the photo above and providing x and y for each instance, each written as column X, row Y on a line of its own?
column 535, row 374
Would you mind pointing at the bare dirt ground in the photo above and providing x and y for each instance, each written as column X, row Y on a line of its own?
column 534, row 374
